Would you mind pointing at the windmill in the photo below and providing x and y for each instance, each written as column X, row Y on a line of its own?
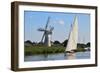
column 47, row 34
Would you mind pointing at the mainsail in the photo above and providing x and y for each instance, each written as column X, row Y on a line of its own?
column 73, row 36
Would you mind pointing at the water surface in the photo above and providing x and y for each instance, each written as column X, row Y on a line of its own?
column 58, row 56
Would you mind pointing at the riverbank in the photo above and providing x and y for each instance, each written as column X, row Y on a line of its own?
column 40, row 49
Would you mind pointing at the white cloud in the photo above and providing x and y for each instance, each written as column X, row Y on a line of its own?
column 61, row 22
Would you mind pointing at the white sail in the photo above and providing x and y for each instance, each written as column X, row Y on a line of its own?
column 73, row 36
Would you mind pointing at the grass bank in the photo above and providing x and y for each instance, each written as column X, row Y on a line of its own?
column 40, row 49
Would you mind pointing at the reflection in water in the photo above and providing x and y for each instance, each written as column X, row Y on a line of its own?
column 45, row 57
column 71, row 56
column 59, row 56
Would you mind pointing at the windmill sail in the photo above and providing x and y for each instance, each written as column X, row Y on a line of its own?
column 73, row 36
column 47, row 34
column 45, row 29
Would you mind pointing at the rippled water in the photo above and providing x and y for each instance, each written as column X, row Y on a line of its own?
column 59, row 56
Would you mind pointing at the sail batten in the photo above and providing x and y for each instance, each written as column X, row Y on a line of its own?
column 73, row 36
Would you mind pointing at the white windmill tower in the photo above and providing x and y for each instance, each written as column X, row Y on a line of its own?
column 47, row 34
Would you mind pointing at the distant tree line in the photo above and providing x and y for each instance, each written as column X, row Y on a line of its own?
column 64, row 43
column 79, row 45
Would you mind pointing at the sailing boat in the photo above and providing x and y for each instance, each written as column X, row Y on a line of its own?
column 73, row 37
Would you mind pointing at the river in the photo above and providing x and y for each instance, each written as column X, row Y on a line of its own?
column 58, row 56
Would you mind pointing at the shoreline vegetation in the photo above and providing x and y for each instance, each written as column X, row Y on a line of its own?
column 57, row 47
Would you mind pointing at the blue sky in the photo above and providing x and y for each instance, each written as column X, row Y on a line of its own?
column 61, row 23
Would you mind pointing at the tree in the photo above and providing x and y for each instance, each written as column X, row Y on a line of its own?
column 79, row 45
column 65, row 43
column 34, row 43
column 88, row 44
column 28, row 41
column 56, row 42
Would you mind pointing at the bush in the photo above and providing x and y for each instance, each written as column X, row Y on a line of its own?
column 40, row 49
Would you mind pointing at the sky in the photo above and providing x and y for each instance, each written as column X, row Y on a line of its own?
column 33, row 20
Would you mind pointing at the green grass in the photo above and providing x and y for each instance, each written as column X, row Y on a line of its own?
column 40, row 49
